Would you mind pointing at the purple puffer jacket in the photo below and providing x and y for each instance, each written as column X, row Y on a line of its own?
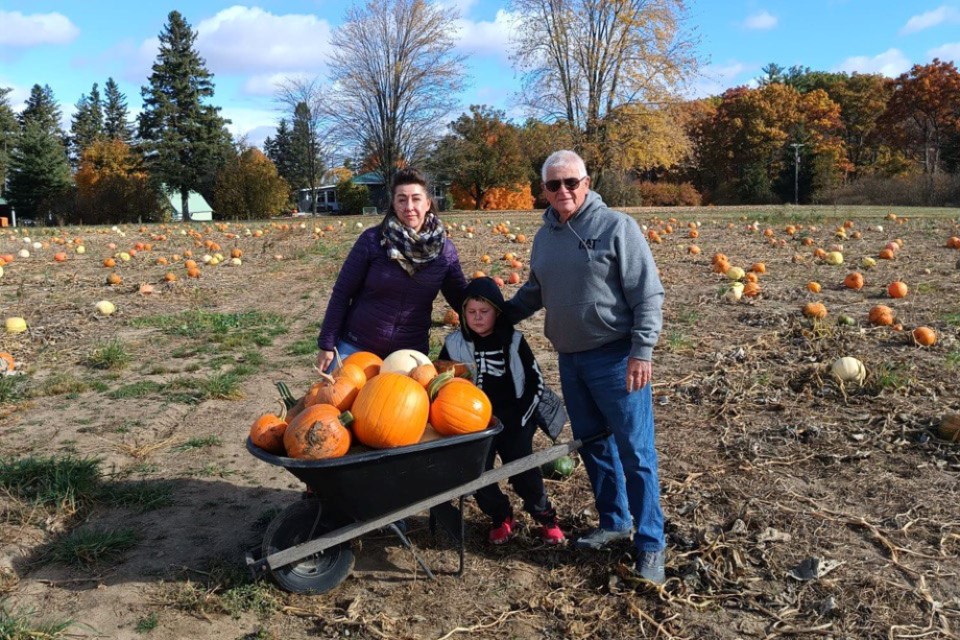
column 377, row 306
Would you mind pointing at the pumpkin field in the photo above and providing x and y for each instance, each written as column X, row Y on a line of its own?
column 807, row 401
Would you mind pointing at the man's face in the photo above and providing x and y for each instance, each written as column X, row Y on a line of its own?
column 565, row 201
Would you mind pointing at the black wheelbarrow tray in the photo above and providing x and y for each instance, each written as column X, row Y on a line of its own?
column 306, row 547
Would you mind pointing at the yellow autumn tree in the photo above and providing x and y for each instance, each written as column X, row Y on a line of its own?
column 113, row 187
column 248, row 186
column 515, row 198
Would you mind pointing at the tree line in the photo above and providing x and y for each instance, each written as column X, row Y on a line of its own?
column 603, row 77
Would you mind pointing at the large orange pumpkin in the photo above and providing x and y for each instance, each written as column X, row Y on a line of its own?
column 925, row 336
column 897, row 289
column 368, row 362
column 815, row 310
column 267, row 431
column 458, row 406
column 318, row 432
column 390, row 411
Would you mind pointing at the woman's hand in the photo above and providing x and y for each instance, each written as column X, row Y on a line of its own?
column 324, row 359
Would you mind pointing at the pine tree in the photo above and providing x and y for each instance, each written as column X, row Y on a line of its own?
column 42, row 109
column 9, row 129
column 116, row 126
column 87, row 124
column 306, row 163
column 39, row 173
column 186, row 140
column 279, row 150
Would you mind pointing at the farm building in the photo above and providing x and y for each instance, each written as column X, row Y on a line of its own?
column 199, row 208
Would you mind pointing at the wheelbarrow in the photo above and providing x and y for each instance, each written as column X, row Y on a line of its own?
column 306, row 547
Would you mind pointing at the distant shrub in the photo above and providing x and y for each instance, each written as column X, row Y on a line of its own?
column 941, row 190
column 666, row 194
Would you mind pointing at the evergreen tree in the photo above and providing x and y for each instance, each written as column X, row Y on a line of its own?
column 279, row 150
column 87, row 124
column 307, row 165
column 116, row 126
column 39, row 174
column 42, row 109
column 185, row 140
column 9, row 129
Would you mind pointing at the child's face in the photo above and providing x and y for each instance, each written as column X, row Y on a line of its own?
column 481, row 317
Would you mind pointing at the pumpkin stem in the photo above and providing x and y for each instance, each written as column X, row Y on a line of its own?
column 438, row 382
column 326, row 377
column 346, row 419
column 285, row 395
column 336, row 354
column 283, row 410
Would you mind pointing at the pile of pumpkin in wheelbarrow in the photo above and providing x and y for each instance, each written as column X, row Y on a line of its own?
column 400, row 400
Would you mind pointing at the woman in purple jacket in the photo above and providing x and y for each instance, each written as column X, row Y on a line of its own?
column 383, row 298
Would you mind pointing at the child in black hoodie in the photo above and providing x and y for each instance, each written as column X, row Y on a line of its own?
column 503, row 366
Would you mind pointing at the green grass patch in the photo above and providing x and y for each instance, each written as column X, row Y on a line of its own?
column 890, row 376
column 91, row 547
column 199, row 443
column 690, row 316
column 229, row 330
column 12, row 388
column 952, row 318
column 20, row 624
column 953, row 359
column 257, row 597
column 57, row 385
column 111, row 355
column 303, row 347
column 51, row 482
column 678, row 341
column 147, row 623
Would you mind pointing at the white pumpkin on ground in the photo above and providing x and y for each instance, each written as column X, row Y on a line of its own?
column 848, row 369
column 834, row 258
column 105, row 307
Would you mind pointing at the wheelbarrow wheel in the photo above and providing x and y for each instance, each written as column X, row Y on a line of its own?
column 319, row 573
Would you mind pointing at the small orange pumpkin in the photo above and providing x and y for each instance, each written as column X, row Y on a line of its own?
column 458, row 406
column 424, row 374
column 318, row 432
column 925, row 336
column 815, row 310
column 886, row 254
column 368, row 362
column 814, row 287
column 881, row 315
column 751, row 289
column 854, row 280
column 897, row 289
column 339, row 391
column 451, row 318
column 758, row 267
column 7, row 362
column 267, row 431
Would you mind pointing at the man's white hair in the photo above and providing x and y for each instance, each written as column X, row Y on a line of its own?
column 564, row 158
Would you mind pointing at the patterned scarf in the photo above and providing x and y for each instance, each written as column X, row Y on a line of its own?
column 413, row 250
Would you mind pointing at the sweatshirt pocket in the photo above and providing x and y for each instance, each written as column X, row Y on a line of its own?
column 576, row 325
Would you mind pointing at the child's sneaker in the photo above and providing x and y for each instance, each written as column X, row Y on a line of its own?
column 551, row 534
column 503, row 533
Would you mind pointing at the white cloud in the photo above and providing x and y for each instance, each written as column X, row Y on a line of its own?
column 248, row 39
column 715, row 79
column 485, row 37
column 249, row 122
column 18, row 95
column 890, row 63
column 940, row 15
column 21, row 30
column 266, row 84
column 761, row 21
column 950, row 51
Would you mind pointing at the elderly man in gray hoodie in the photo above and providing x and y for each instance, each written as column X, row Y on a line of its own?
column 592, row 270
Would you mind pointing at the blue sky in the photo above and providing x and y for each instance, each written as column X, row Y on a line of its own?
column 70, row 44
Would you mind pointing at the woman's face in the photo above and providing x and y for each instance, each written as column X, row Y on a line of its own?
column 410, row 203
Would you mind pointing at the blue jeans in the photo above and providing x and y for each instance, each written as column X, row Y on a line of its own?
column 623, row 466
column 344, row 348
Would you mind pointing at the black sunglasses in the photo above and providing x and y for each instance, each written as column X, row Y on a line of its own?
column 570, row 183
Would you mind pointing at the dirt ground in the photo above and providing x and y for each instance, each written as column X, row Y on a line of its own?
column 767, row 465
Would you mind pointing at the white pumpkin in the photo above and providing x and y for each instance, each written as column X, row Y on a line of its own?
column 734, row 293
column 105, row 307
column 403, row 361
column 868, row 263
column 735, row 273
column 16, row 325
column 848, row 369
column 834, row 257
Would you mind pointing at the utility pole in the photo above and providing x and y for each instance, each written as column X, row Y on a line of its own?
column 796, row 171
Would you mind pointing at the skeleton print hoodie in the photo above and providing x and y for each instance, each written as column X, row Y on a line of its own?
column 502, row 363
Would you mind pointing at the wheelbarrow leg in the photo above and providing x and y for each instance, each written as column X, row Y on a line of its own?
column 450, row 519
column 406, row 542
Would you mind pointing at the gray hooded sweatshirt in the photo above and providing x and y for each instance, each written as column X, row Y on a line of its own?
column 597, row 280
